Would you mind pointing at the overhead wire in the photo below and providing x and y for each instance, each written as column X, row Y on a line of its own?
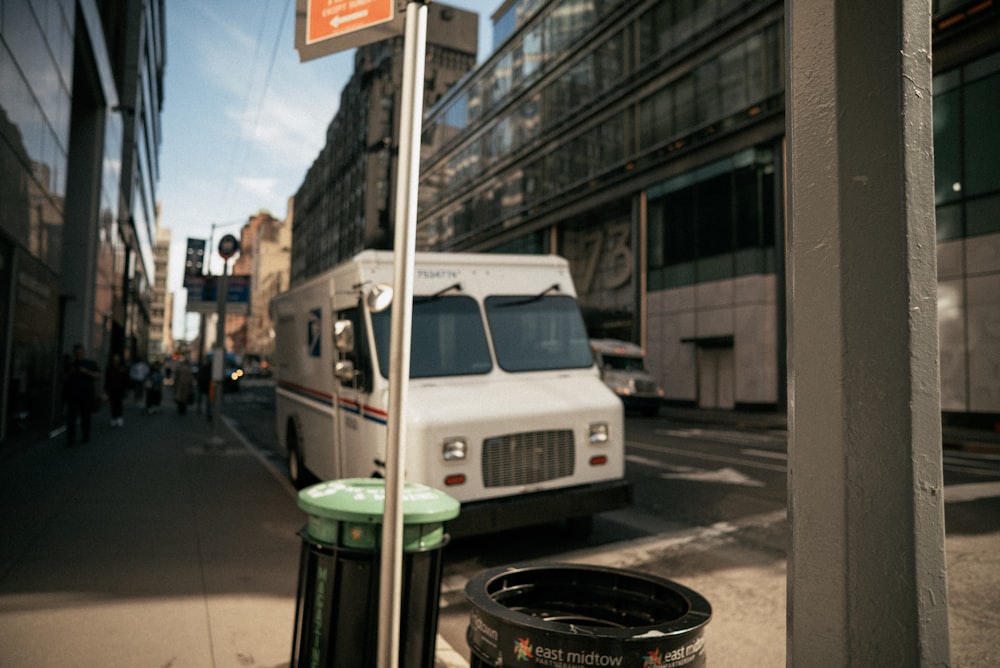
column 240, row 153
column 252, row 99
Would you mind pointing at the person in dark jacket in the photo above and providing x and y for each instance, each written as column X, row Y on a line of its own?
column 116, row 384
column 154, row 389
column 78, row 385
column 184, row 386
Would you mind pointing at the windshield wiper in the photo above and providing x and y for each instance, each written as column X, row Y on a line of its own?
column 530, row 300
column 437, row 295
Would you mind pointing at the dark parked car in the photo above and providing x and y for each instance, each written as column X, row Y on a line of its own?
column 255, row 366
column 232, row 371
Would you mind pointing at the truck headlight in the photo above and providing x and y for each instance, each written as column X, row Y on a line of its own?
column 625, row 388
column 598, row 432
column 454, row 449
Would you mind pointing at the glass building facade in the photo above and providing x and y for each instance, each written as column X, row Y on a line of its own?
column 967, row 199
column 644, row 141
column 80, row 98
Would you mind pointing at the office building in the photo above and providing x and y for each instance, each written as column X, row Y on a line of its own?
column 346, row 202
column 80, row 102
column 644, row 141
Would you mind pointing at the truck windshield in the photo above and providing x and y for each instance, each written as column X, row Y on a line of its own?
column 623, row 363
column 538, row 333
column 447, row 338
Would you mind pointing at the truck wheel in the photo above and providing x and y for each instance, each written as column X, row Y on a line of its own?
column 296, row 468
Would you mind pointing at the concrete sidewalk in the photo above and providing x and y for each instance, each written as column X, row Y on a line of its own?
column 144, row 548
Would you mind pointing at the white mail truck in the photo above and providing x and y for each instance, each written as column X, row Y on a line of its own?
column 505, row 410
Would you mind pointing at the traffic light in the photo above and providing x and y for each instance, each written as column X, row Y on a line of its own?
column 194, row 261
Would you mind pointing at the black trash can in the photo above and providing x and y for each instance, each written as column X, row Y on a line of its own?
column 336, row 612
column 577, row 616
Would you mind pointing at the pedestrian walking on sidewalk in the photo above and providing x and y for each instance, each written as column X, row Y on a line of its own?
column 78, row 385
column 154, row 389
column 183, row 386
column 137, row 374
column 116, row 383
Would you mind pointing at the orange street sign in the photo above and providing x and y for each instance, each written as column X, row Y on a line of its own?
column 332, row 18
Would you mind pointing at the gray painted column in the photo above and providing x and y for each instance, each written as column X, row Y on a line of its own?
column 866, row 578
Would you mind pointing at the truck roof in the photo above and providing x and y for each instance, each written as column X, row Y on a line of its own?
column 478, row 273
column 430, row 257
column 617, row 347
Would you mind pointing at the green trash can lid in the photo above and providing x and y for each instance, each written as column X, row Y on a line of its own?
column 362, row 500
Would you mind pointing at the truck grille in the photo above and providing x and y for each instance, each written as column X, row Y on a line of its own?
column 645, row 387
column 528, row 457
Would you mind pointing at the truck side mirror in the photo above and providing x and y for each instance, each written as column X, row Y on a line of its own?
column 379, row 298
column 344, row 370
column 343, row 336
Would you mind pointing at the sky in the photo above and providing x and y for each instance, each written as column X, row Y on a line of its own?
column 243, row 119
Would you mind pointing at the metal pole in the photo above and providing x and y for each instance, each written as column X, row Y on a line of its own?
column 208, row 255
column 219, row 358
column 408, row 172
column 202, row 327
column 867, row 576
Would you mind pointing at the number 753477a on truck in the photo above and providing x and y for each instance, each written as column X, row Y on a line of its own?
column 506, row 410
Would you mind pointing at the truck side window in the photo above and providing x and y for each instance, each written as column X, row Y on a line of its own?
column 360, row 356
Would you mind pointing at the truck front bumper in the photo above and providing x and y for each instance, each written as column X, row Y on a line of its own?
column 480, row 517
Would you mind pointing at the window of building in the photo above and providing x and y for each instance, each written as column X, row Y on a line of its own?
column 966, row 146
column 655, row 117
column 983, row 216
column 567, row 20
column 714, row 222
column 502, row 72
column 532, row 54
column 504, row 25
column 982, row 134
column 609, row 64
column 708, row 102
column 719, row 90
column 715, row 216
column 944, row 6
column 679, row 219
column 669, row 24
column 456, row 117
column 684, row 113
column 528, row 123
column 512, row 18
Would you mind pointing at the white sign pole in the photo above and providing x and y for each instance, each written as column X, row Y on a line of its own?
column 218, row 361
column 407, row 178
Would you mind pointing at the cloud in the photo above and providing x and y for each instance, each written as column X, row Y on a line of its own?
column 263, row 189
column 284, row 131
column 249, row 125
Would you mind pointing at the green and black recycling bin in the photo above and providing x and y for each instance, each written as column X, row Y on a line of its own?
column 579, row 616
column 336, row 612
